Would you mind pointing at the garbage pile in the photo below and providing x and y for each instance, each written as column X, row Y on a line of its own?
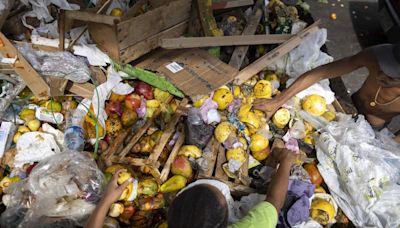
column 58, row 152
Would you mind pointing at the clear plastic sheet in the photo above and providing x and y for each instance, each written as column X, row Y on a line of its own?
column 362, row 170
column 61, row 191
column 57, row 64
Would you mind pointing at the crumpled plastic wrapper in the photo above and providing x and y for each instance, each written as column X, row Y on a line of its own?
column 12, row 85
column 61, row 191
column 57, row 64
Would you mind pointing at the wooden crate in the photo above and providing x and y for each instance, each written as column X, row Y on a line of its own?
column 128, row 37
column 119, row 151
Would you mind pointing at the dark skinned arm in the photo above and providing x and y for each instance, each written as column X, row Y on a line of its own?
column 276, row 194
column 327, row 71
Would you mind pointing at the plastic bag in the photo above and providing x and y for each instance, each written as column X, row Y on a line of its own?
column 61, row 191
column 11, row 86
column 362, row 171
column 197, row 132
column 58, row 64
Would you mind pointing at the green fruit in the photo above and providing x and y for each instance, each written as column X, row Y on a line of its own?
column 53, row 106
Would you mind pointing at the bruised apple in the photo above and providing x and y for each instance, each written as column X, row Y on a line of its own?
column 144, row 89
column 114, row 107
column 132, row 101
column 181, row 166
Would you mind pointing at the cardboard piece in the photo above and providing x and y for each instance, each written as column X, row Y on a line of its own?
column 194, row 71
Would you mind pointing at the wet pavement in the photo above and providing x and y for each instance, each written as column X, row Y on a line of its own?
column 356, row 27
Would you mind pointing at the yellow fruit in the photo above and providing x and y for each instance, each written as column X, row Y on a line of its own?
column 309, row 128
column 113, row 126
column 329, row 116
column 246, row 131
column 271, row 77
column 173, row 184
column 199, row 102
column 114, row 168
column 237, row 92
column 223, row 130
column 262, row 154
column 23, row 129
column 116, row 210
column 160, row 95
column 223, row 97
column 236, row 154
column 244, row 110
column 152, row 104
column 53, row 106
column 122, row 177
column 7, row 181
column 16, row 137
column 190, row 151
column 251, row 120
column 309, row 140
column 263, row 89
column 243, row 141
column 258, row 143
column 27, row 114
column 319, row 189
column 259, row 114
column 281, row 118
column 322, row 211
column 117, row 12
column 33, row 125
column 315, row 105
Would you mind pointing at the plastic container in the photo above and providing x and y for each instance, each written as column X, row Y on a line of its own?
column 73, row 134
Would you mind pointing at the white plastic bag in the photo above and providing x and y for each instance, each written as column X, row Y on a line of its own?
column 362, row 171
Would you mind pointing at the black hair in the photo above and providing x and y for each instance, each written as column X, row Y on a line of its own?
column 201, row 206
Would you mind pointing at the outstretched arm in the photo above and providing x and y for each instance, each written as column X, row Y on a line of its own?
column 276, row 194
column 330, row 70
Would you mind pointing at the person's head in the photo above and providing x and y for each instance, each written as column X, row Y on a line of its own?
column 388, row 56
column 199, row 206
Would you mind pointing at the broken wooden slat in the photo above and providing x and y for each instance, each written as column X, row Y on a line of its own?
column 221, row 159
column 227, row 4
column 239, row 53
column 22, row 67
column 192, row 42
column 172, row 156
column 211, row 159
column 85, row 90
column 91, row 17
column 135, row 9
column 275, row 54
column 169, row 130
column 207, row 19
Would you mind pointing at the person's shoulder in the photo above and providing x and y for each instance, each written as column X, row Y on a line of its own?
column 365, row 57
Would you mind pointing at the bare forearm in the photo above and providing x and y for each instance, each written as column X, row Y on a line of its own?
column 327, row 71
column 279, row 185
column 96, row 220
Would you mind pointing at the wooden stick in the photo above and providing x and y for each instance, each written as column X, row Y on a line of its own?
column 72, row 43
column 239, row 53
column 116, row 144
column 212, row 147
column 193, row 42
column 172, row 156
column 221, row 159
column 275, row 54
column 169, row 130
column 22, row 67
column 138, row 135
column 61, row 30
column 231, row 4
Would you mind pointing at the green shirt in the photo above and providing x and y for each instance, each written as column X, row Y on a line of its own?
column 263, row 215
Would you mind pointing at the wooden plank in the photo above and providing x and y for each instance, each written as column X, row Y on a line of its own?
column 193, row 42
column 172, row 156
column 207, row 19
column 137, row 136
column 23, row 68
column 169, row 130
column 91, row 17
column 228, row 4
column 85, row 90
column 221, row 159
column 134, row 10
column 144, row 26
column 273, row 55
column 239, row 53
column 212, row 148
column 135, row 51
column 105, row 36
column 158, row 3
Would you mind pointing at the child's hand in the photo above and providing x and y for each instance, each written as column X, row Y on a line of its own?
column 113, row 191
column 284, row 155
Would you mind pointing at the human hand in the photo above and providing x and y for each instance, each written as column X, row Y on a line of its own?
column 113, row 190
column 283, row 155
column 269, row 106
